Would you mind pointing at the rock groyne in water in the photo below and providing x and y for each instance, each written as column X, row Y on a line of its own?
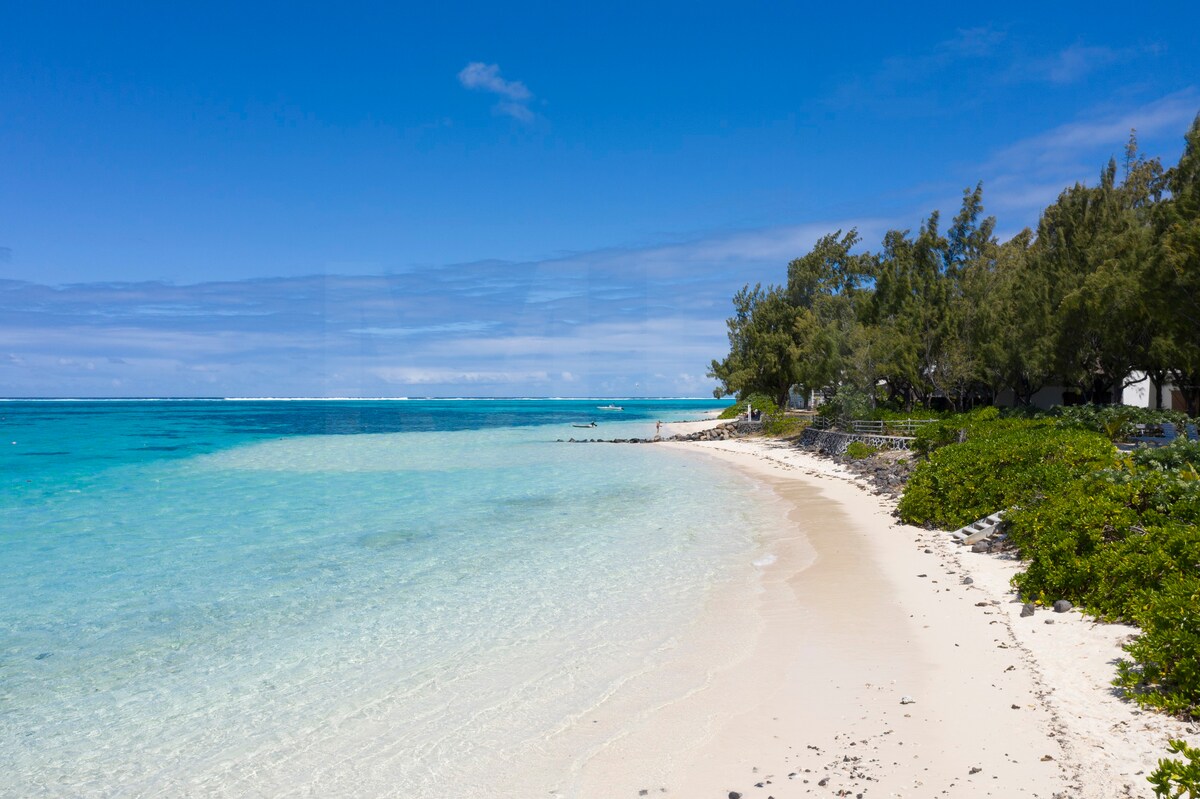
column 722, row 432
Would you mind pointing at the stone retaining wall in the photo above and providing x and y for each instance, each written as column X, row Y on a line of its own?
column 831, row 442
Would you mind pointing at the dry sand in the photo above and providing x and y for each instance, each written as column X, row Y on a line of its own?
column 864, row 658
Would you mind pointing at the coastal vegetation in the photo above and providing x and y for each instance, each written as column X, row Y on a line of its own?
column 1115, row 533
column 1174, row 778
column 1104, row 291
column 859, row 450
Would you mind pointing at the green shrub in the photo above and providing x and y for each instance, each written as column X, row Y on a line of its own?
column 1174, row 778
column 1058, row 537
column 988, row 413
column 1099, row 544
column 960, row 427
column 1180, row 454
column 858, row 450
column 890, row 415
column 1117, row 535
column 1165, row 672
column 760, row 402
column 847, row 402
column 784, row 426
column 1116, row 543
column 1000, row 464
column 1115, row 421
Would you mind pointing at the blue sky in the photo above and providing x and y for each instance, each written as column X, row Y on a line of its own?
column 509, row 199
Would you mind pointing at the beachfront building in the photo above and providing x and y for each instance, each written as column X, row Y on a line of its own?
column 1139, row 393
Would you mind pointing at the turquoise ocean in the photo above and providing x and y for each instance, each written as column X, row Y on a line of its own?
column 336, row 598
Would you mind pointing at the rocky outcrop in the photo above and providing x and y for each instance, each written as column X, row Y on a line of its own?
column 721, row 432
column 886, row 471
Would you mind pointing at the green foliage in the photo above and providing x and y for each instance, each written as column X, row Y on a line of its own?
column 759, row 402
column 1175, row 270
column 960, row 427
column 999, row 465
column 784, row 426
column 1174, row 778
column 1119, row 536
column 986, row 414
column 733, row 411
column 1180, row 455
column 762, row 345
column 857, row 450
column 892, row 415
column 1108, row 285
column 1124, row 543
column 1165, row 670
column 1116, row 421
column 1103, row 544
column 848, row 402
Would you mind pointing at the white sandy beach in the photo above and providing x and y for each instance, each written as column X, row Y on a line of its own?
column 802, row 673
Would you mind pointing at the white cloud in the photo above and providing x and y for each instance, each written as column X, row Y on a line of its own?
column 421, row 330
column 486, row 77
column 1029, row 174
column 615, row 321
column 972, row 42
column 1076, row 61
column 478, row 75
column 1171, row 113
column 517, row 111
column 422, row 377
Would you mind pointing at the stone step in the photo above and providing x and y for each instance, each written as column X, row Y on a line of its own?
column 978, row 529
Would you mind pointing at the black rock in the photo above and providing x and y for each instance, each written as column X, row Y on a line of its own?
column 968, row 581
column 1027, row 609
column 734, row 795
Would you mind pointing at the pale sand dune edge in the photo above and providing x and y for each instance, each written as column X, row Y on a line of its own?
column 849, row 615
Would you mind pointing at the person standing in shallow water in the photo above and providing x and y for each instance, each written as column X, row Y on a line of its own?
column 658, row 429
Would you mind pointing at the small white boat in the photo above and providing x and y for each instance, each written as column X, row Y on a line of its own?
column 589, row 424
column 609, row 408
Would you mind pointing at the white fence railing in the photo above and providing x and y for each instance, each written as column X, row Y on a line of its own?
column 879, row 427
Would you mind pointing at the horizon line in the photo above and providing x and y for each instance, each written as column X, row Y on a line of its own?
column 340, row 399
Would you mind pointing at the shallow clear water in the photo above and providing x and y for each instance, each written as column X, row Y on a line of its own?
column 353, row 598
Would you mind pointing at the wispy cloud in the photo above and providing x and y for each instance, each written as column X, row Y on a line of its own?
column 1170, row 114
column 441, row 377
column 976, row 42
column 616, row 321
column 984, row 56
column 1073, row 63
column 486, row 77
column 1077, row 61
column 1027, row 175
column 897, row 77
